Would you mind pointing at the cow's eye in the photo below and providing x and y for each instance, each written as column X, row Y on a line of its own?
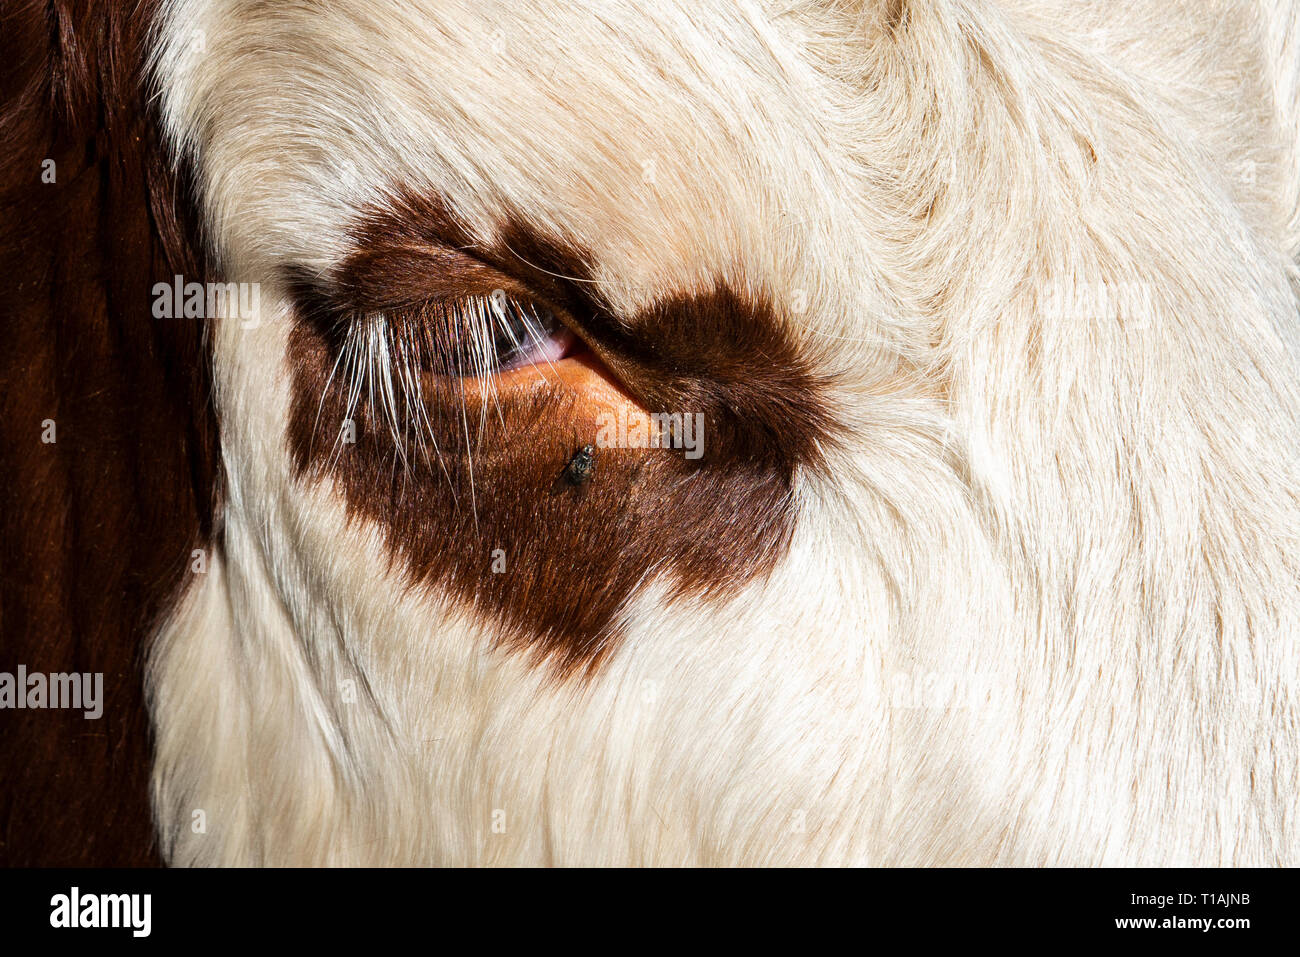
column 477, row 336
column 524, row 334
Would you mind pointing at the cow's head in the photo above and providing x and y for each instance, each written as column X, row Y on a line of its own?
column 705, row 432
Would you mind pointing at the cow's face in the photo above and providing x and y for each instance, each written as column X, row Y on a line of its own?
column 475, row 258
column 484, row 237
column 617, row 401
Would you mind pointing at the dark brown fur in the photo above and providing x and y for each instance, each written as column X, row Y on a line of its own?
column 574, row 558
column 96, row 530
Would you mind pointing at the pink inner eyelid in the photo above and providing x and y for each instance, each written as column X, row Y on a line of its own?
column 553, row 348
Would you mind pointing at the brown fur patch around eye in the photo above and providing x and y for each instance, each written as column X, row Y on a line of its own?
column 493, row 490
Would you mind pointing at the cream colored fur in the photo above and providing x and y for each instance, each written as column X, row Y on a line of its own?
column 1071, row 488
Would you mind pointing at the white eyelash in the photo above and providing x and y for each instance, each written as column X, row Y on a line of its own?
column 385, row 357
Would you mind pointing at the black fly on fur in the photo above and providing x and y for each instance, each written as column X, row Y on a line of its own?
column 581, row 467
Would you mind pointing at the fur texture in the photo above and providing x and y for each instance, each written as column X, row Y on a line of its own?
column 1039, row 600
column 108, row 459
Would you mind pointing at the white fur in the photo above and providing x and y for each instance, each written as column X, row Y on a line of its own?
column 1071, row 484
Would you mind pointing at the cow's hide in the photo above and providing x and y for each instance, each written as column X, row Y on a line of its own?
column 989, row 312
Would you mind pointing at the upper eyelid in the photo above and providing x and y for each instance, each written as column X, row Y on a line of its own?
column 396, row 277
column 407, row 282
column 405, row 277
